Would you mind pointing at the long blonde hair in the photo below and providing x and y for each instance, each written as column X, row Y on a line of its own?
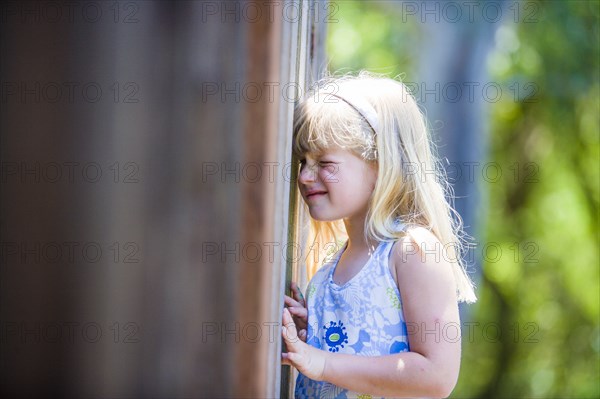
column 411, row 185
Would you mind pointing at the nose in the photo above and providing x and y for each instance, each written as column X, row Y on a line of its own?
column 308, row 173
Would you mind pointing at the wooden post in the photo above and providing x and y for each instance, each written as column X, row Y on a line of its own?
column 158, row 174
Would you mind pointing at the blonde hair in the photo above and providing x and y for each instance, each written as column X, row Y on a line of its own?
column 400, row 146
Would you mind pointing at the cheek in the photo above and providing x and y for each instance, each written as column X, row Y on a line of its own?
column 329, row 174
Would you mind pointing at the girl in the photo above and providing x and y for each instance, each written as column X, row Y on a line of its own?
column 381, row 316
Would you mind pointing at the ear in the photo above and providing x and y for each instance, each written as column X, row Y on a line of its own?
column 375, row 168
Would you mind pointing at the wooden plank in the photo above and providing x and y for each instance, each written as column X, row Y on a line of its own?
column 190, row 304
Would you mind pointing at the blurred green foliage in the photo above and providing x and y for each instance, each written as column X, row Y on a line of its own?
column 544, row 298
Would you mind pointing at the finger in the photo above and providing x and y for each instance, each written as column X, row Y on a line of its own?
column 291, row 302
column 297, row 293
column 300, row 317
column 302, row 335
column 287, row 320
column 300, row 298
column 299, row 312
column 288, row 329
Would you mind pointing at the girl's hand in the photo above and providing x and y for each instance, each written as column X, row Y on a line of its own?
column 297, row 308
column 309, row 360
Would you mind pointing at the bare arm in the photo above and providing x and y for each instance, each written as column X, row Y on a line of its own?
column 431, row 312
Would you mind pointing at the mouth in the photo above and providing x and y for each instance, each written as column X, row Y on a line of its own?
column 315, row 194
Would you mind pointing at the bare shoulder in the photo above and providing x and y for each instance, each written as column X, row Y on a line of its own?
column 418, row 246
column 421, row 265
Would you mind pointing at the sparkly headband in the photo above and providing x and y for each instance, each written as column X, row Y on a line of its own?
column 361, row 106
column 367, row 112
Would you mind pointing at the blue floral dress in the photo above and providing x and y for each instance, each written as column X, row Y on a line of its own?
column 362, row 317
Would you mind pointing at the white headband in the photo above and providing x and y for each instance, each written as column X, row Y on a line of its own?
column 363, row 107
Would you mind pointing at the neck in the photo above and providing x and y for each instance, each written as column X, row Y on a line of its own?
column 355, row 226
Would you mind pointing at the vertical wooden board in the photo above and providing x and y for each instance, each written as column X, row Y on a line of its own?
column 309, row 67
column 176, row 52
column 258, row 205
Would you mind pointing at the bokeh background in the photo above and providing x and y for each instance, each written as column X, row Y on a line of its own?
column 159, row 133
column 531, row 141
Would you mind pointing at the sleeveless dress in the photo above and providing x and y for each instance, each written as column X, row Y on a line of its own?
column 362, row 317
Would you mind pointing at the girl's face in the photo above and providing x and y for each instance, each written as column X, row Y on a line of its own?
column 336, row 185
